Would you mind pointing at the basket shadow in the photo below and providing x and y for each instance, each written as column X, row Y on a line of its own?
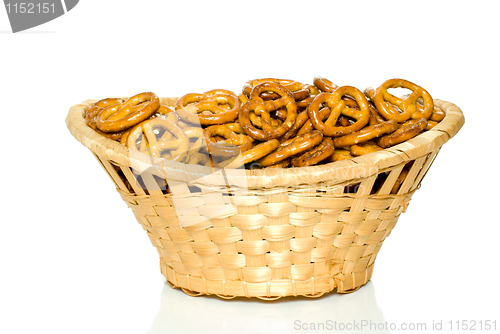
column 180, row 313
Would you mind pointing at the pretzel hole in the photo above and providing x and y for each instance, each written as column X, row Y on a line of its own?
column 399, row 91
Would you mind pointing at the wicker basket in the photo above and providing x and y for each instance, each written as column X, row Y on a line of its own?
column 273, row 232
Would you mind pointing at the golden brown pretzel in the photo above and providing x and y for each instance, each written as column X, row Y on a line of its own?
column 282, row 164
column 323, row 115
column 366, row 134
column 284, row 95
column 365, row 148
column 98, row 107
column 324, row 85
column 119, row 117
column 298, row 90
column 292, row 147
column 258, row 106
column 406, row 131
column 257, row 121
column 219, row 91
column 235, row 127
column 338, row 106
column 316, row 154
column 255, row 153
column 190, row 108
column 233, row 144
column 386, row 102
column 301, row 119
column 150, row 136
column 340, row 154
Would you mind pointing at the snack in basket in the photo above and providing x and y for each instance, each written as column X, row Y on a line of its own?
column 320, row 188
column 272, row 122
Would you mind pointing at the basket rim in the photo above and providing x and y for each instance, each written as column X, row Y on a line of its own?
column 333, row 173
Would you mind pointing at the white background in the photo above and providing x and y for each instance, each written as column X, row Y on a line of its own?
column 73, row 259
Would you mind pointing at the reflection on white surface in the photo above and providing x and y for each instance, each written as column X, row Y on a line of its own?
column 352, row 313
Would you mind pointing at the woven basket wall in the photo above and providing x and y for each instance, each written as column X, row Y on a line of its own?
column 273, row 232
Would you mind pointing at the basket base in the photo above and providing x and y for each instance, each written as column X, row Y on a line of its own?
column 270, row 290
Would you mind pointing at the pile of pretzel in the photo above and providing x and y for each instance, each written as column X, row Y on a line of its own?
column 271, row 123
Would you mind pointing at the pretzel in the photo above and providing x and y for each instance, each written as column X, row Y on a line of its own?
column 98, row 107
column 298, row 90
column 282, row 164
column 257, row 121
column 258, row 106
column 324, row 85
column 308, row 126
column 190, row 107
column 123, row 138
column 218, row 92
column 338, row 106
column 255, row 153
column 235, row 127
column 149, row 131
column 301, row 119
column 120, row 117
column 340, row 154
column 315, row 155
column 284, row 96
column 406, row 131
column 233, row 144
column 366, row 134
column 365, row 148
column 292, row 147
column 386, row 102
column 437, row 114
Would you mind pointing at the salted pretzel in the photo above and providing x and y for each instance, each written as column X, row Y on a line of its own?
column 308, row 126
column 298, row 90
column 367, row 133
column 205, row 108
column 257, row 121
column 258, row 106
column 316, row 154
column 338, row 106
column 324, row 85
column 284, row 96
column 292, row 147
column 120, row 117
column 301, row 119
column 235, row 127
column 232, row 145
column 147, row 137
column 365, row 148
column 98, row 107
column 282, row 164
column 406, row 131
column 401, row 110
column 255, row 153
column 340, row 154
